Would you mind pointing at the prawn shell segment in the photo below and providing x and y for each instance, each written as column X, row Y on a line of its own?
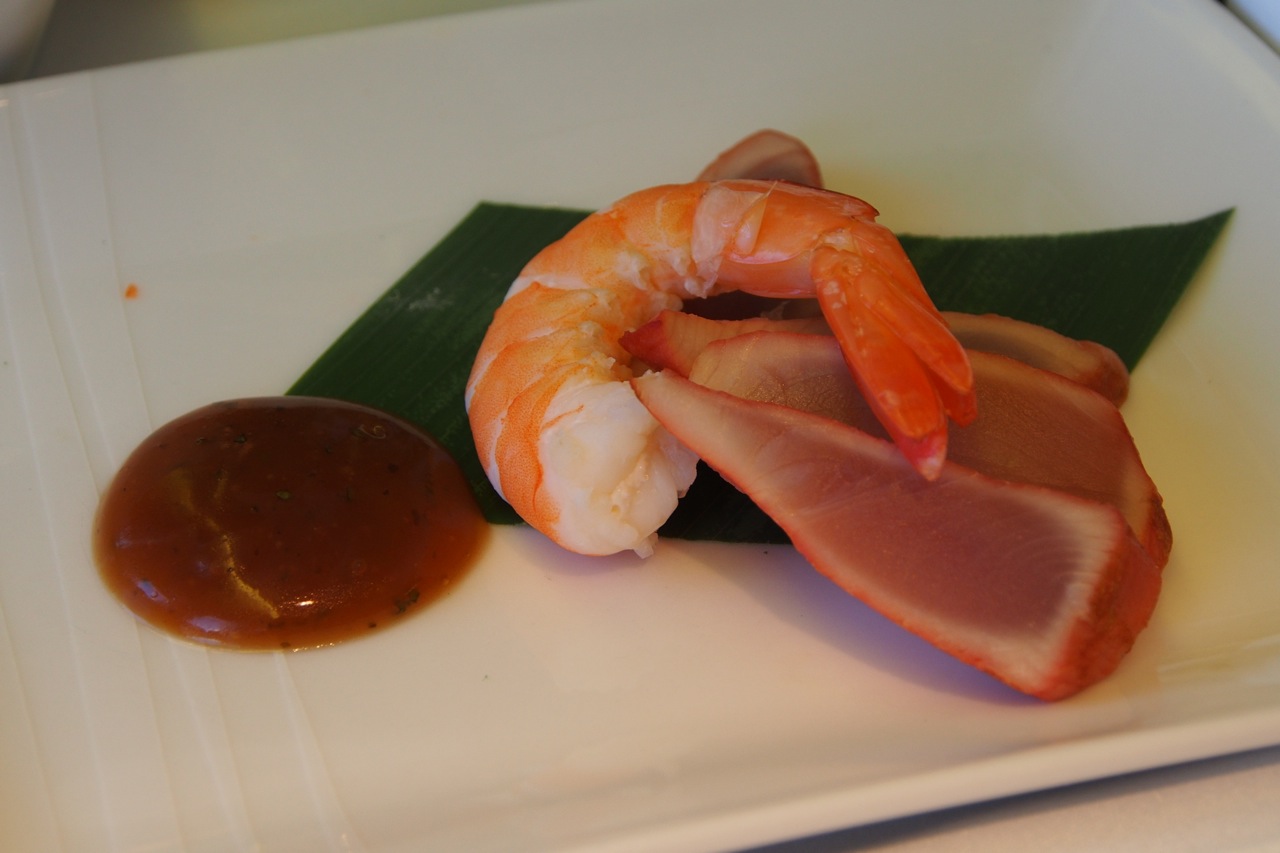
column 784, row 240
column 557, row 335
column 560, row 433
column 641, row 242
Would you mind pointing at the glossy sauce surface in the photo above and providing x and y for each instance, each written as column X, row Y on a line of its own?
column 284, row 523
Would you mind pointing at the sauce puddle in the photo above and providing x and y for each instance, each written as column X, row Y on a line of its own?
column 285, row 523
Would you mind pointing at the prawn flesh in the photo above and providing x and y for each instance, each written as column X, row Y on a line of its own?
column 557, row 425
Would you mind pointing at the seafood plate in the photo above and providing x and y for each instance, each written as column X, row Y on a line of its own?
column 711, row 696
column 1017, row 562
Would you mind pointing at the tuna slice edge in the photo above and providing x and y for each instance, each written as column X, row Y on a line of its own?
column 1044, row 590
column 1033, row 426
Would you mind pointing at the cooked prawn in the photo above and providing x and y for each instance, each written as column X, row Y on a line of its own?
column 556, row 424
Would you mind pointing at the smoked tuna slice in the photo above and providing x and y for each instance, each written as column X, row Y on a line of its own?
column 674, row 339
column 767, row 155
column 1041, row 589
column 1032, row 427
column 1091, row 364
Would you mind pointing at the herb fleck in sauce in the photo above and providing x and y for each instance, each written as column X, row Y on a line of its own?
column 284, row 523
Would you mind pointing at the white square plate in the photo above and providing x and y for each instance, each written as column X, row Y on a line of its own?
column 712, row 696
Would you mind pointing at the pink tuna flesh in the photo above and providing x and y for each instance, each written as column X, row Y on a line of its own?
column 1086, row 362
column 1032, row 427
column 767, row 155
column 674, row 339
column 1039, row 588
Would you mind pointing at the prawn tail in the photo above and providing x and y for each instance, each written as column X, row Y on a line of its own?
column 909, row 366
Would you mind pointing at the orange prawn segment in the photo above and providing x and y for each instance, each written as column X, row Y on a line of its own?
column 557, row 425
column 793, row 241
column 549, row 379
column 910, row 368
column 892, row 380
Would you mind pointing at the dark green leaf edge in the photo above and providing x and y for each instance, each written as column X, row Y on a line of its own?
column 1116, row 287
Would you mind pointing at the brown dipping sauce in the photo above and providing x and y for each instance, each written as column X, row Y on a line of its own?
column 284, row 523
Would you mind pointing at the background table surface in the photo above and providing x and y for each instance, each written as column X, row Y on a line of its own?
column 1229, row 803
